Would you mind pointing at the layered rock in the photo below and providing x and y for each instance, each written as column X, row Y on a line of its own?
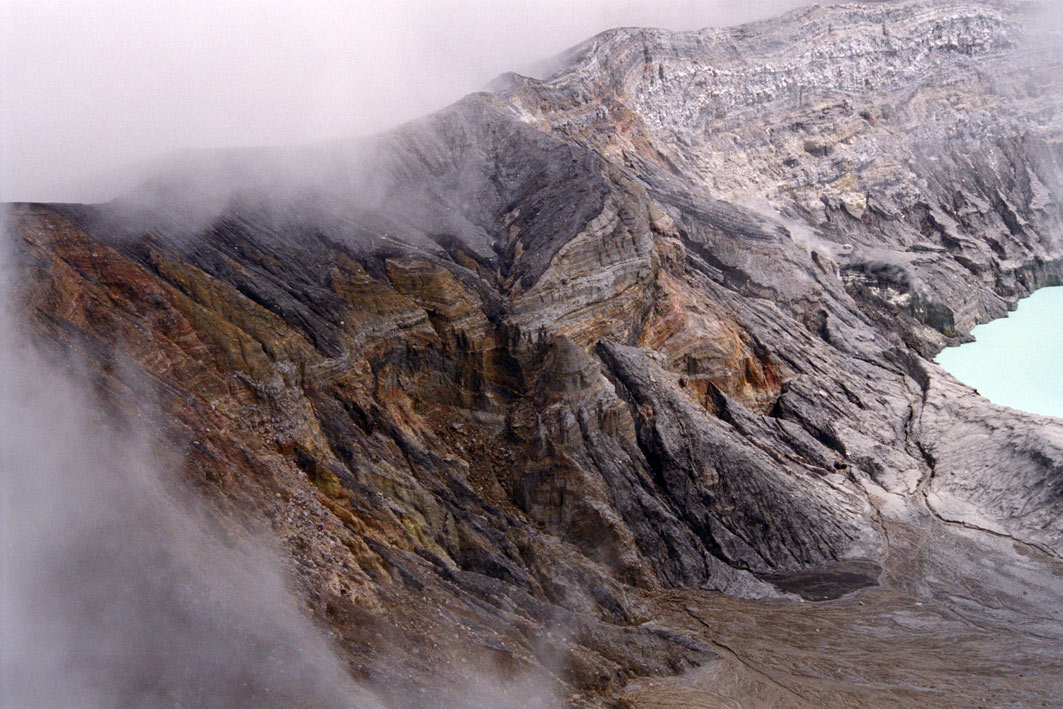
column 502, row 377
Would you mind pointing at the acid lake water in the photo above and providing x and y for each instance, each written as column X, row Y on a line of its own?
column 1017, row 361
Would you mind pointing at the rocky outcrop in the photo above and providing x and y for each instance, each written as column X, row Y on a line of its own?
column 658, row 321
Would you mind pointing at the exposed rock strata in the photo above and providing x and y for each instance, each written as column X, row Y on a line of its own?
column 659, row 321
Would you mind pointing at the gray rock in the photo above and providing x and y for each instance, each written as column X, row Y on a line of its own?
column 659, row 321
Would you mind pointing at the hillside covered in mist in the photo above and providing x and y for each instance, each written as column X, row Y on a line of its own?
column 609, row 388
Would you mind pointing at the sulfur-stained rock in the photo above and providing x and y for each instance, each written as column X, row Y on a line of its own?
column 510, row 380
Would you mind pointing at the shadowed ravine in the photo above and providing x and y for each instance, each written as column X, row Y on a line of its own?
column 617, row 386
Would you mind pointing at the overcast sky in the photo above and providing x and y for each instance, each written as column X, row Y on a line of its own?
column 91, row 86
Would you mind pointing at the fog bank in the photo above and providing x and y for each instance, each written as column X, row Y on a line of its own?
column 92, row 87
column 115, row 588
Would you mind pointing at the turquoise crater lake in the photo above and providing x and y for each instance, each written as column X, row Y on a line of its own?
column 1017, row 361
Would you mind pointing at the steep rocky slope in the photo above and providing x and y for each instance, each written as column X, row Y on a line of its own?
column 519, row 385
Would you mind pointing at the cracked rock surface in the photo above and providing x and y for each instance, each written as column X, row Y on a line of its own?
column 619, row 379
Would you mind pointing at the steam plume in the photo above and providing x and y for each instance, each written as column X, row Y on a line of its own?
column 114, row 590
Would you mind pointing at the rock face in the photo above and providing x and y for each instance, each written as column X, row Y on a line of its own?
column 505, row 380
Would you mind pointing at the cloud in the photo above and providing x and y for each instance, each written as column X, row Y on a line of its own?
column 116, row 589
column 91, row 87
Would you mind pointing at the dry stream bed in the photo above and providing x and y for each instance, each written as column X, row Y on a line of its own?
column 958, row 619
